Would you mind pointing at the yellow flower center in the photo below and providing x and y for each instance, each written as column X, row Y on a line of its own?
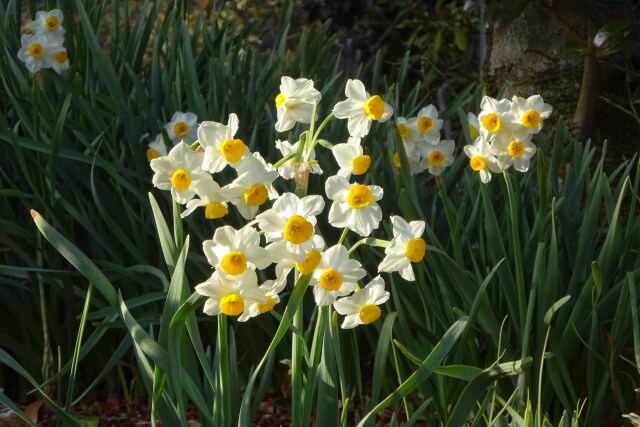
column 425, row 124
column 491, row 122
column 181, row 179
column 516, row 149
column 436, row 158
column 415, row 249
column 396, row 159
column 369, row 313
column 473, row 132
column 360, row 164
column 280, row 100
column 374, row 107
column 403, row 129
column 256, row 195
column 531, row 119
column 215, row 210
column 297, row 229
column 232, row 304
column 359, row 196
column 477, row 163
column 310, row 262
column 152, row 154
column 263, row 308
column 180, row 129
column 52, row 23
column 232, row 149
column 330, row 280
column 233, row 263
column 36, row 50
column 61, row 57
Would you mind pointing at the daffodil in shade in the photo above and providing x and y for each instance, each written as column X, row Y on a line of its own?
column 354, row 205
column 335, row 276
column 271, row 290
column 291, row 222
column 295, row 102
column 235, row 251
column 528, row 114
column 253, row 186
column 182, row 127
column 37, row 52
column 157, row 148
column 426, row 124
column 436, row 158
column 362, row 307
column 179, row 171
column 403, row 128
column 494, row 116
column 351, row 158
column 60, row 61
column 230, row 295
column 286, row 170
column 511, row 150
column 360, row 108
column 211, row 197
column 49, row 24
column 481, row 159
column 473, row 125
column 406, row 247
column 220, row 147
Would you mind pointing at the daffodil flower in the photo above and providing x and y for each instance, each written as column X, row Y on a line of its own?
column 234, row 251
column 220, row 147
column 335, row 276
column 253, row 186
column 271, row 290
column 211, row 197
column 292, row 220
column 494, row 116
column 362, row 307
column 527, row 115
column 354, row 205
column 295, row 102
column 426, row 124
column 182, row 127
column 49, row 24
column 60, row 61
column 406, row 247
column 437, row 157
column 360, row 108
column 179, row 171
column 157, row 148
column 473, row 125
column 481, row 159
column 351, row 158
column 230, row 295
column 286, row 171
column 513, row 150
column 37, row 52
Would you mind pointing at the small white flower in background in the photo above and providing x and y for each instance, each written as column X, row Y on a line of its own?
column 413, row 158
column 403, row 129
column 437, row 157
column 179, row 171
column 473, row 125
column 157, row 148
column 235, row 251
column 182, row 127
column 295, row 102
column 271, row 290
column 335, row 276
column 49, row 24
column 286, row 170
column 351, row 158
column 354, row 205
column 37, row 52
column 426, row 124
column 220, row 149
column 60, row 61
column 481, row 159
column 494, row 116
column 211, row 196
column 291, row 222
column 230, row 295
column 406, row 247
column 362, row 307
column 253, row 186
column 511, row 150
column 360, row 108
column 528, row 114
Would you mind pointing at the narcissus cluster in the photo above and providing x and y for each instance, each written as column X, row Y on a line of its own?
column 44, row 47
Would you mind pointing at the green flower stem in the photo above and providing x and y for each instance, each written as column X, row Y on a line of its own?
column 455, row 240
column 312, row 375
column 224, row 393
column 343, row 235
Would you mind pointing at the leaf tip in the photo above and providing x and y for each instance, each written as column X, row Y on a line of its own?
column 34, row 214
